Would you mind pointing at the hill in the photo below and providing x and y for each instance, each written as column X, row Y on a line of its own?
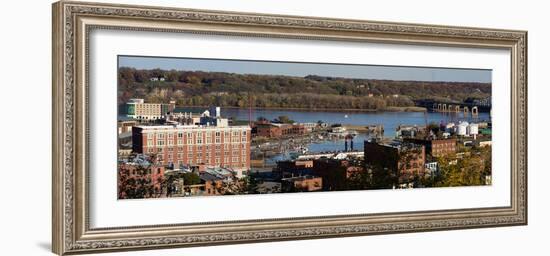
column 197, row 88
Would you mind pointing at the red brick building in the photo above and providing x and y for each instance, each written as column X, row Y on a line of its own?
column 403, row 159
column 293, row 129
column 225, row 146
column 278, row 130
column 268, row 131
column 436, row 147
column 140, row 181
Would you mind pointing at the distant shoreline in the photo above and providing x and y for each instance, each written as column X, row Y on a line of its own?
column 388, row 109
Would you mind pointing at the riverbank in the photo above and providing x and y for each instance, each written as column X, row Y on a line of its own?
column 387, row 109
column 357, row 128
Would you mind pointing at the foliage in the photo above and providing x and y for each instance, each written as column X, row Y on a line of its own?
column 139, row 185
column 472, row 169
column 191, row 178
column 284, row 120
column 196, row 88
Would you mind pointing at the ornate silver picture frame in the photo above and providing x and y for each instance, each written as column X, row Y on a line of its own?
column 72, row 24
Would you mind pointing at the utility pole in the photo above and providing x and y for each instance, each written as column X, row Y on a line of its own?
column 249, row 109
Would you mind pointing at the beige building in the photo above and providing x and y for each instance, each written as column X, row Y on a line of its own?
column 138, row 109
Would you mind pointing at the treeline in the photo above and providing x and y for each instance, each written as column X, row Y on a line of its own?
column 235, row 90
column 297, row 100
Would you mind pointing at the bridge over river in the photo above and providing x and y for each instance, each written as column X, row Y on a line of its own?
column 453, row 107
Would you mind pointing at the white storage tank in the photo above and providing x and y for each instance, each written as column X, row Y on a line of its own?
column 462, row 128
column 473, row 129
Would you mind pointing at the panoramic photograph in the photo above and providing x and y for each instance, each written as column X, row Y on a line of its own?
column 191, row 127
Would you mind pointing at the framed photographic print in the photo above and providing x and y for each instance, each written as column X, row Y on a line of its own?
column 178, row 127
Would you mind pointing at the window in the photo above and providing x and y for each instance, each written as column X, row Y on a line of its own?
column 235, row 137
column 235, row 159
column 226, row 137
column 199, row 138
column 208, row 138
column 180, row 138
column 160, row 136
column 218, row 137
column 218, row 160
column 189, row 138
column 150, row 141
column 160, row 143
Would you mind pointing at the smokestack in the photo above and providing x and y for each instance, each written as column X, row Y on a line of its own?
column 346, row 145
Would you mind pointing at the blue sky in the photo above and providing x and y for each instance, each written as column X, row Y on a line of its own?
column 304, row 69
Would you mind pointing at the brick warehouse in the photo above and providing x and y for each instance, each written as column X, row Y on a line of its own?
column 404, row 159
column 223, row 146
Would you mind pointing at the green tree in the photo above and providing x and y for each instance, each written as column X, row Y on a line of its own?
column 191, row 178
column 284, row 120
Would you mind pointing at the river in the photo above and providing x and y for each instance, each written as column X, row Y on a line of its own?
column 389, row 119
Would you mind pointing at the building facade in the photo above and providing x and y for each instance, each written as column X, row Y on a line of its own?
column 403, row 159
column 178, row 145
column 272, row 130
column 126, row 126
column 436, row 147
column 148, row 179
column 138, row 109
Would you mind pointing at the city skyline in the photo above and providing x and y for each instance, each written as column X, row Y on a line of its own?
column 302, row 69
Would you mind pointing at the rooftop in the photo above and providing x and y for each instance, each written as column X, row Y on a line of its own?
column 168, row 127
column 300, row 178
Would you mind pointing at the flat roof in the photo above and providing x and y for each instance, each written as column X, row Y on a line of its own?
column 190, row 127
